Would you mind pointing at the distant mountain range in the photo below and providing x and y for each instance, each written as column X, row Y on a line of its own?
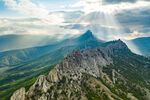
column 143, row 44
column 14, row 57
column 24, row 64
column 12, row 43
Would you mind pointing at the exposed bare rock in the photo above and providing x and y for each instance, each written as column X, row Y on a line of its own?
column 53, row 76
column 19, row 94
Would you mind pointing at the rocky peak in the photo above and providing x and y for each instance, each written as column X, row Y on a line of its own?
column 117, row 47
column 117, row 44
column 87, row 35
column 85, row 61
column 120, row 43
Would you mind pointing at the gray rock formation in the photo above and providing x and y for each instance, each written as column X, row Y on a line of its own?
column 19, row 95
column 88, row 75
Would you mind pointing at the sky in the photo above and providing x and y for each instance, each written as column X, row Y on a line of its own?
column 107, row 19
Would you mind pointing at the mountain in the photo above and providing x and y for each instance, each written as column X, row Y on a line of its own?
column 24, row 65
column 109, row 72
column 15, row 57
column 143, row 45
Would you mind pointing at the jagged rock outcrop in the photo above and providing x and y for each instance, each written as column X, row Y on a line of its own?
column 19, row 94
column 53, row 76
column 93, row 74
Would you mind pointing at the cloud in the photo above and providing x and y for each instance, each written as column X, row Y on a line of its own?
column 136, row 20
column 99, row 5
column 118, row 1
column 26, row 7
column 132, row 35
column 34, row 26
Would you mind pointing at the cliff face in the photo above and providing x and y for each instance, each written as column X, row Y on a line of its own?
column 92, row 74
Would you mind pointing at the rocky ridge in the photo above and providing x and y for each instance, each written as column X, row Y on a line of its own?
column 84, row 75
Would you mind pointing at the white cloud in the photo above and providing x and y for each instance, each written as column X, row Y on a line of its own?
column 97, row 5
column 34, row 26
column 133, row 35
column 26, row 7
column 54, row 18
column 30, row 9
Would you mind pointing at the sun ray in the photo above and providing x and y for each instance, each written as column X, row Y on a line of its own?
column 101, row 20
